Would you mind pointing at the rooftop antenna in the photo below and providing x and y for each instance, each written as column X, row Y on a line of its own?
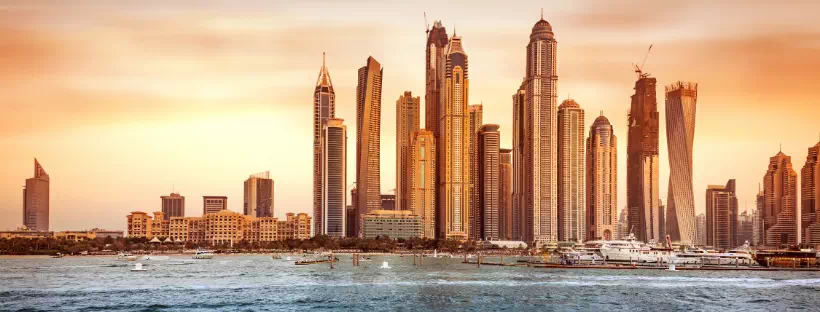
column 426, row 25
column 323, row 59
column 542, row 13
column 602, row 113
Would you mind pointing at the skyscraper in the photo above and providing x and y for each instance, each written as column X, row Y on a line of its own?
column 407, row 122
column 214, row 204
column 423, row 179
column 259, row 195
column 435, row 71
column 173, row 205
column 721, row 216
column 368, row 131
column 745, row 228
column 758, row 238
column 681, row 104
column 642, row 162
column 334, row 186
column 700, row 229
column 476, row 116
column 810, row 196
column 324, row 108
column 535, row 139
column 453, row 143
column 489, row 183
column 602, row 181
column 571, row 173
column 780, row 221
column 505, row 211
column 36, row 200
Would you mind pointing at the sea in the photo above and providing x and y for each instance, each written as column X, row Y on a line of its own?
column 385, row 283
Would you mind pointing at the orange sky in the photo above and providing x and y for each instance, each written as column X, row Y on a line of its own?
column 122, row 103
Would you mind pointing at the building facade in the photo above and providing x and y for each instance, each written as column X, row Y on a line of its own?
column 36, row 201
column 407, row 122
column 388, row 202
column 602, row 181
column 489, row 183
column 810, row 196
column 681, row 104
column 173, row 205
column 213, row 204
column 475, row 115
column 368, row 132
column 334, row 185
column 259, row 195
column 780, row 220
column 642, row 161
column 722, row 216
column 700, row 228
column 571, row 173
column 505, row 202
column 435, row 60
column 395, row 224
column 222, row 228
column 745, row 228
column 324, row 108
column 423, row 180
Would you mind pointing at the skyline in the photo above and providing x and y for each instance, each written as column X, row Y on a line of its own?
column 101, row 136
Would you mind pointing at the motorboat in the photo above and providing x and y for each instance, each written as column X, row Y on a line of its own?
column 203, row 254
column 138, row 268
column 698, row 256
column 126, row 257
column 58, row 255
column 154, row 258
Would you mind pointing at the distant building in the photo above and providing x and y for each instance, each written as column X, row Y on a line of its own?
column 489, row 183
column 259, row 195
column 602, row 181
column 475, row 117
column 721, row 216
column 23, row 232
column 681, row 104
column 334, row 186
column 391, row 223
column 642, row 170
column 700, row 223
column 664, row 220
column 87, row 234
column 350, row 221
column 139, row 224
column 745, row 228
column 780, row 203
column 353, row 218
column 222, row 228
column 388, row 201
column 572, row 217
column 623, row 224
column 423, row 180
column 36, row 200
column 505, row 207
column 408, row 121
column 368, row 134
column 214, row 204
column 758, row 238
column 810, row 196
column 324, row 108
column 173, row 205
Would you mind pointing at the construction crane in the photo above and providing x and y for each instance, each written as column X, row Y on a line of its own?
column 639, row 69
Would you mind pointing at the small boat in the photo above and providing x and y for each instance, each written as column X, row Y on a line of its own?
column 384, row 265
column 365, row 259
column 58, row 255
column 203, row 254
column 126, row 257
column 306, row 262
column 154, row 258
column 138, row 268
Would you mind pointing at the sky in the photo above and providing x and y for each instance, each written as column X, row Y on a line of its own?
column 122, row 102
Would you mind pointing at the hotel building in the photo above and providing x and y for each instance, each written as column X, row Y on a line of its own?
column 214, row 204
column 259, row 195
column 324, row 108
column 334, row 186
column 391, row 223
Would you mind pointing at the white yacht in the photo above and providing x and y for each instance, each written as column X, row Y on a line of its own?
column 631, row 250
column 126, row 257
column 203, row 254
column 698, row 256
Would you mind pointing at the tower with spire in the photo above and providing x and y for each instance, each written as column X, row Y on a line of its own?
column 324, row 108
column 36, row 200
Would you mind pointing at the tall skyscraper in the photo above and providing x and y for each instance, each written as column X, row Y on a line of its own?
column 368, row 131
column 214, row 204
column 759, row 239
column 700, row 229
column 36, row 200
column 535, row 144
column 810, row 196
column 721, row 216
column 173, row 205
column 571, row 173
column 334, row 185
column 453, row 143
column 324, row 108
column 681, row 104
column 489, row 183
column 423, row 180
column 602, row 181
column 407, row 122
column 475, row 114
column 780, row 220
column 642, row 162
column 505, row 211
column 259, row 195
column 435, row 71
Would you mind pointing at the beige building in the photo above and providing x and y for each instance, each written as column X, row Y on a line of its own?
column 36, row 201
column 602, row 181
column 368, row 132
column 258, row 190
column 721, row 216
column 160, row 227
column 780, row 219
column 334, row 186
column 505, row 202
column 139, row 224
column 422, row 180
column 391, row 223
column 87, row 234
column 453, row 146
column 535, row 146
column 810, row 196
column 681, row 104
column 324, row 108
column 488, row 183
column 407, row 122
column 214, row 204
column 475, row 115
column 225, row 227
column 571, row 173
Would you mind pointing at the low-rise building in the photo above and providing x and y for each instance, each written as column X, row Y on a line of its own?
column 139, row 225
column 392, row 223
column 87, row 234
column 24, row 232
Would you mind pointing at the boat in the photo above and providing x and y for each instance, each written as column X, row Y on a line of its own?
column 58, row 255
column 311, row 261
column 384, row 265
column 126, row 257
column 154, row 258
column 203, row 254
column 138, row 268
column 363, row 258
column 785, row 258
column 276, row 257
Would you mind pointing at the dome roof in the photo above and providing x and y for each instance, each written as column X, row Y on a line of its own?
column 569, row 103
column 542, row 30
column 601, row 120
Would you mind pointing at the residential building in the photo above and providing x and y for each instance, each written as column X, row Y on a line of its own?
column 334, row 185
column 368, row 132
column 259, row 195
column 681, row 104
column 475, row 116
column 721, row 216
column 407, row 122
column 810, row 196
column 36, row 200
column 505, row 202
column 758, row 239
column 780, row 203
column 173, row 205
column 395, row 224
column 423, row 180
column 642, row 161
column 222, row 228
column 324, row 108
column 214, row 204
column 435, row 60
column 602, row 181
column 572, row 217
column 488, row 183
column 623, row 223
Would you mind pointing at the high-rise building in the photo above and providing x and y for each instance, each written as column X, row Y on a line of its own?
column 758, row 239
column 324, row 108
column 662, row 225
column 353, row 219
column 642, row 162
column 396, row 224
column 571, row 172
column 602, row 181
column 681, row 104
column 334, row 185
column 368, row 131
column 213, row 204
column 810, row 196
column 623, row 223
column 475, row 115
column 259, row 195
column 436, row 58
column 505, row 211
column 388, row 202
column 721, row 216
column 36, row 200
column 423, row 180
column 488, row 183
column 453, row 143
column 745, row 228
column 700, row 228
column 535, row 144
column 780, row 220
column 407, row 122
column 173, row 205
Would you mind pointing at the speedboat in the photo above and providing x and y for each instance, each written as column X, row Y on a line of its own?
column 203, row 254
column 126, row 257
